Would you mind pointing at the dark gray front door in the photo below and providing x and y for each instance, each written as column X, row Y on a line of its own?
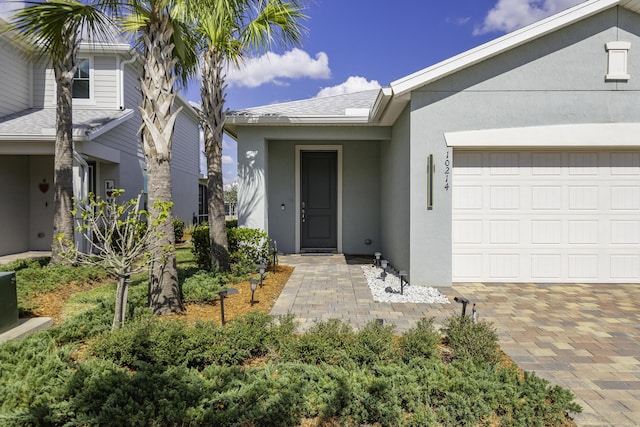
column 318, row 207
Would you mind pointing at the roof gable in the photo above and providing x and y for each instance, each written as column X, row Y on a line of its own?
column 391, row 100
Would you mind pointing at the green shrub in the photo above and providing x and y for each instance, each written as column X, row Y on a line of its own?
column 201, row 246
column 477, row 341
column 34, row 372
column 203, row 287
column 21, row 264
column 373, row 343
column 248, row 246
column 165, row 372
column 178, row 229
column 231, row 223
column 420, row 342
column 325, row 342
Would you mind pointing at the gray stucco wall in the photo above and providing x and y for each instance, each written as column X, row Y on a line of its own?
column 395, row 223
column 40, row 204
column 360, row 194
column 266, row 174
column 361, row 197
column 557, row 79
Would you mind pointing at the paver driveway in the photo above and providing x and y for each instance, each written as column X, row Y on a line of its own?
column 583, row 337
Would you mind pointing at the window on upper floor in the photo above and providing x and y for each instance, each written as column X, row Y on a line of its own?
column 82, row 79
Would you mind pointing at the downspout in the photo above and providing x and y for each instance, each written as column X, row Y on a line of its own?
column 131, row 60
column 84, row 194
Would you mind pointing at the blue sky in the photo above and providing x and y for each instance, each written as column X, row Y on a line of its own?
column 355, row 45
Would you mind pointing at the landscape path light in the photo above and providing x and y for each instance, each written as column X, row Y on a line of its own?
column 262, row 268
column 275, row 255
column 376, row 261
column 403, row 280
column 254, row 285
column 223, row 294
column 464, row 303
column 384, row 264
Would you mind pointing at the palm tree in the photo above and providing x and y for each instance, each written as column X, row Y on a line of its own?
column 166, row 55
column 229, row 29
column 54, row 29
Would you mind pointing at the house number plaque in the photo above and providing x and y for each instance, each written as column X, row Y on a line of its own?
column 447, row 170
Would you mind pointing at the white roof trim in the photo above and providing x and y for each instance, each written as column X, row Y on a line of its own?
column 574, row 135
column 298, row 120
column 91, row 135
column 502, row 44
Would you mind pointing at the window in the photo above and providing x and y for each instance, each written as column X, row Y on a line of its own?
column 81, row 79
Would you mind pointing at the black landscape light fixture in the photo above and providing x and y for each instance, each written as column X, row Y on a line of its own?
column 275, row 255
column 376, row 261
column 223, row 294
column 384, row 263
column 403, row 280
column 262, row 268
column 464, row 303
column 254, row 285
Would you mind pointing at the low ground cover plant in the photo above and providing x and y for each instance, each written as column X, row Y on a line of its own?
column 257, row 371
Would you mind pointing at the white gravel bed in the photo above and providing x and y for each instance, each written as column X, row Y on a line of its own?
column 411, row 293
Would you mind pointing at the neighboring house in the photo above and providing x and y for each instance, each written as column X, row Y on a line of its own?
column 108, row 152
column 230, row 211
column 516, row 161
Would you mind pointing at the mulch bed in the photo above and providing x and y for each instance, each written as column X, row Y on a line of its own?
column 51, row 304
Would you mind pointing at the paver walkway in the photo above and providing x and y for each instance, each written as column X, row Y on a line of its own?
column 583, row 337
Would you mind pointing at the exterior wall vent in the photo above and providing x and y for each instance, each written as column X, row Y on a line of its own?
column 617, row 62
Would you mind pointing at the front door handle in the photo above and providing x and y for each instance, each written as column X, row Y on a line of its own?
column 302, row 217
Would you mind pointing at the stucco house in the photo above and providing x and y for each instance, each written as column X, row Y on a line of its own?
column 516, row 161
column 108, row 152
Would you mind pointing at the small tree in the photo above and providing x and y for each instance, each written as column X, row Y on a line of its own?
column 118, row 236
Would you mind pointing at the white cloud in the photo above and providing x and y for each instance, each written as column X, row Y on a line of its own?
column 508, row 15
column 352, row 84
column 458, row 21
column 227, row 160
column 271, row 67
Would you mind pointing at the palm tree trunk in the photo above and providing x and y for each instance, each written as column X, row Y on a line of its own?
column 157, row 85
column 164, row 295
column 212, row 94
column 63, row 157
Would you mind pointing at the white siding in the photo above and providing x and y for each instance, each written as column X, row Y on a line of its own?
column 15, row 95
column 185, row 166
column 105, row 82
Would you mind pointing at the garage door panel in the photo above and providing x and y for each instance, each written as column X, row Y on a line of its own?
column 625, row 198
column 546, row 267
column 546, row 216
column 504, row 266
column 624, row 266
column 546, row 197
column 546, row 232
